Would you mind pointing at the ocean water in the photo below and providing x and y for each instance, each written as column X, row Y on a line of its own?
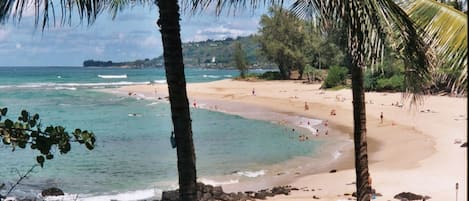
column 133, row 158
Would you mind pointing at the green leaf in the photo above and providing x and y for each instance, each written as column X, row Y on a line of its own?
column 49, row 156
column 36, row 117
column 8, row 123
column 40, row 160
column 6, row 140
column 49, row 129
column 89, row 146
column 32, row 122
column 22, row 145
column 4, row 111
column 25, row 115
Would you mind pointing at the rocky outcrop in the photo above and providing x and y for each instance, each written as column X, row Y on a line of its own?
column 210, row 193
column 408, row 196
column 52, row 192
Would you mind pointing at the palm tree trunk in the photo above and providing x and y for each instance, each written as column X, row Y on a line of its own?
column 174, row 66
column 359, row 135
column 356, row 60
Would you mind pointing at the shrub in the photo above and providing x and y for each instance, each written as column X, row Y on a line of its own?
column 336, row 76
column 394, row 83
column 370, row 81
column 271, row 75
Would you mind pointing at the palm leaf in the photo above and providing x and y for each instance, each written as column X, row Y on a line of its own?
column 446, row 31
column 378, row 21
column 230, row 5
column 86, row 9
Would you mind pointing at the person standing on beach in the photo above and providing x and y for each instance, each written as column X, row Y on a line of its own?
column 306, row 106
column 381, row 117
column 253, row 91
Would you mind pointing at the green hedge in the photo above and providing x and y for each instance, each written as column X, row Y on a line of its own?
column 336, row 76
column 271, row 75
column 394, row 83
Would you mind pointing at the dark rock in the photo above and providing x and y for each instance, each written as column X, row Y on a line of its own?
column 294, row 189
column 211, row 193
column 170, row 195
column 464, row 144
column 278, row 190
column 205, row 197
column 249, row 193
column 315, row 197
column 378, row 194
column 217, row 191
column 354, row 194
column 408, row 196
column 347, row 194
column 260, row 195
column 333, row 171
column 52, row 192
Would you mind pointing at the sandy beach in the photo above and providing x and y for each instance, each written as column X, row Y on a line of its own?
column 415, row 149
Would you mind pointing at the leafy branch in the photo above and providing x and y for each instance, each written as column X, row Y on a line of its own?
column 28, row 130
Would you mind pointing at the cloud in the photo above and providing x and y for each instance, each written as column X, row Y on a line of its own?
column 150, row 41
column 217, row 33
column 18, row 45
column 3, row 34
column 98, row 50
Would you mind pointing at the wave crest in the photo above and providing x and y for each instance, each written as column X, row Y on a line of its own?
column 124, row 76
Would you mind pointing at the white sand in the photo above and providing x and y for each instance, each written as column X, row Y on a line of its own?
column 411, row 151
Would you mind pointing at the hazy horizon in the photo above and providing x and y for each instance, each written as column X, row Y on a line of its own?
column 24, row 45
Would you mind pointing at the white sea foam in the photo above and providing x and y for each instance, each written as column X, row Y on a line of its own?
column 251, row 174
column 227, row 76
column 308, row 123
column 113, row 76
column 125, row 196
column 66, row 88
column 69, row 86
column 211, row 76
column 153, row 103
column 218, row 183
column 159, row 81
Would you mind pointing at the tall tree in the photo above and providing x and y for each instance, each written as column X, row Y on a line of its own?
column 174, row 66
column 367, row 22
column 240, row 59
column 282, row 40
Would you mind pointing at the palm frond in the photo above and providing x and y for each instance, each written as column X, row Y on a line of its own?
column 446, row 32
column 417, row 55
column 229, row 5
column 376, row 20
column 86, row 9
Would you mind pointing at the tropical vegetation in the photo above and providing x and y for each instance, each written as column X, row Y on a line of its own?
column 239, row 58
column 445, row 27
column 205, row 54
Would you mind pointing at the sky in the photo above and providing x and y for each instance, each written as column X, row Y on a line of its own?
column 132, row 35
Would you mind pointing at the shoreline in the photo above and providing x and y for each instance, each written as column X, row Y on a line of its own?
column 336, row 156
column 405, row 132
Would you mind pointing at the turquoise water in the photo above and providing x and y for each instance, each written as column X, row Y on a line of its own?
column 132, row 153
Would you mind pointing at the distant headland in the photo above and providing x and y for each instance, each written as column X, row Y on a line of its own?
column 204, row 54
